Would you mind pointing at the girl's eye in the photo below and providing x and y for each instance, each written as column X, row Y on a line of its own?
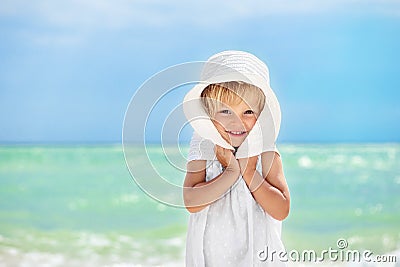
column 225, row 111
column 249, row 112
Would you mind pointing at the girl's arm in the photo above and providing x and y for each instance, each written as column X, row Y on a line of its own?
column 271, row 192
column 197, row 193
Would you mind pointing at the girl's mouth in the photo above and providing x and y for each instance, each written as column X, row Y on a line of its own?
column 236, row 133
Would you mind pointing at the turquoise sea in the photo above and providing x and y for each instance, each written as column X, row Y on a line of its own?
column 77, row 205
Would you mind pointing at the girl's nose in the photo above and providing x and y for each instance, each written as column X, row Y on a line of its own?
column 236, row 121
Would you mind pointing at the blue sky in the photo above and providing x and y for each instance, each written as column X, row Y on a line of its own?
column 68, row 69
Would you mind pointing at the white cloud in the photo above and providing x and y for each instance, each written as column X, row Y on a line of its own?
column 126, row 14
column 69, row 21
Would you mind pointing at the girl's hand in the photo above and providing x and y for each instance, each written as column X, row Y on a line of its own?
column 226, row 158
column 248, row 167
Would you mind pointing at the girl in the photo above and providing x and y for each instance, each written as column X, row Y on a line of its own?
column 235, row 188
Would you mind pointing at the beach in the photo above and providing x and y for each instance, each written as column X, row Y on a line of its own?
column 77, row 205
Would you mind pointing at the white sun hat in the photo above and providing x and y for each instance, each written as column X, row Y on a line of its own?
column 234, row 66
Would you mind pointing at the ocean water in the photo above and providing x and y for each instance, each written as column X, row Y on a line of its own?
column 78, row 205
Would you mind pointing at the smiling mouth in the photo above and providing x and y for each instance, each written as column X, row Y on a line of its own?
column 236, row 133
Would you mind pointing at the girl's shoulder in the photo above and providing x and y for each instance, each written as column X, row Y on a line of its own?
column 200, row 148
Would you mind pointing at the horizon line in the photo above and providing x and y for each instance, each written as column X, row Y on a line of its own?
column 93, row 143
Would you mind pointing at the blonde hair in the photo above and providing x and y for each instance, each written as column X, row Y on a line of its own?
column 231, row 93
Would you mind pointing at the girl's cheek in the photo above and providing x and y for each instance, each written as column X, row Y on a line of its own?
column 250, row 124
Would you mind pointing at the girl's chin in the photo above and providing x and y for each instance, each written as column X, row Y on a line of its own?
column 234, row 141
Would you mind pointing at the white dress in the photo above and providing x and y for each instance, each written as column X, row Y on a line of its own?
column 234, row 230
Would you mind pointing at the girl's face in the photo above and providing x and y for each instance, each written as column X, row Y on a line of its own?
column 234, row 121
